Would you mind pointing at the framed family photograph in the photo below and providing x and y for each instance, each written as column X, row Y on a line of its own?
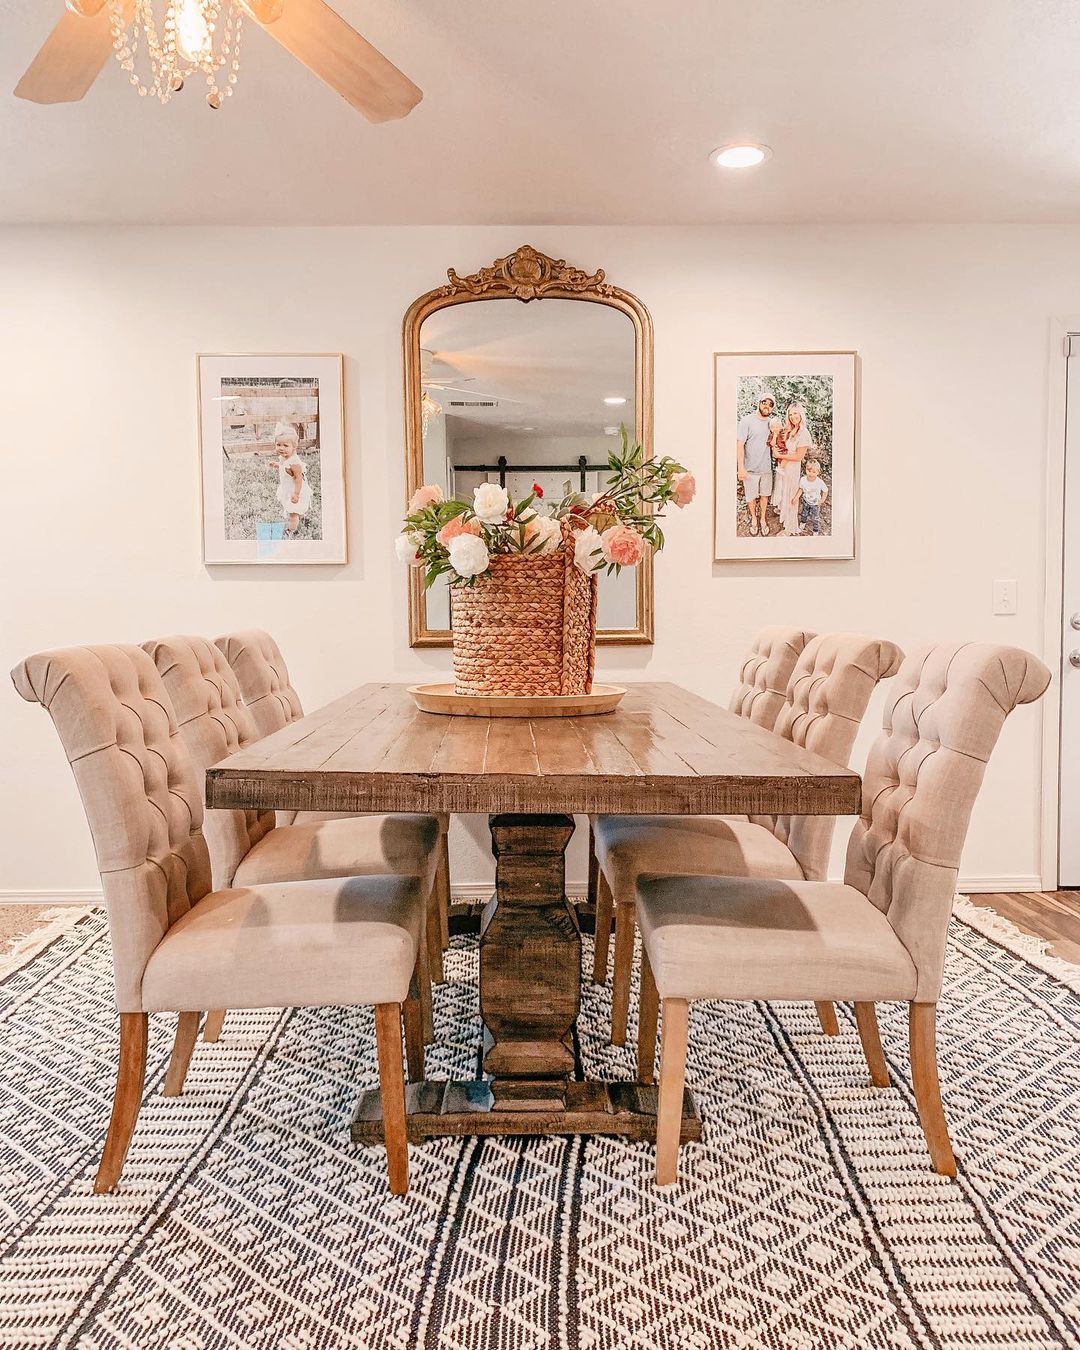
column 784, row 455
column 272, row 451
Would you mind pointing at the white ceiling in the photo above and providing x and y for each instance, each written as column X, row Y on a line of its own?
column 587, row 111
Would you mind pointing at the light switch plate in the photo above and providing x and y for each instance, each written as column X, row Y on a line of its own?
column 1004, row 597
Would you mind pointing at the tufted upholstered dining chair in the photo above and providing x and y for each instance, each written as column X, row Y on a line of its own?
column 824, row 704
column 268, row 694
column 179, row 945
column 881, row 934
column 759, row 696
column 766, row 671
column 248, row 847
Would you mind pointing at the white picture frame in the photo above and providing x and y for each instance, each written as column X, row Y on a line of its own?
column 244, row 401
column 823, row 386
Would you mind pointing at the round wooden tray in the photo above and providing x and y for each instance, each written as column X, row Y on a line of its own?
column 440, row 698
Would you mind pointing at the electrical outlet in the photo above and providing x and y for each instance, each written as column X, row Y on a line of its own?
column 1004, row 597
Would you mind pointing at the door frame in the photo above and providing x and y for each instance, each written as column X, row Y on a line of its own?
column 1053, row 595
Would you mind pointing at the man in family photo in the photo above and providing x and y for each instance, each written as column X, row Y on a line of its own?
column 755, row 462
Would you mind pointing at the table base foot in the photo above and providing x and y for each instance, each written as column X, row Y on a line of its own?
column 436, row 1108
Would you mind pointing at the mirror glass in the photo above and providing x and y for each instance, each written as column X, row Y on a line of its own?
column 519, row 394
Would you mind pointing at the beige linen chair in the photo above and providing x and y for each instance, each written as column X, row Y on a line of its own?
column 180, row 946
column 824, row 704
column 247, row 847
column 880, row 935
column 759, row 696
column 766, row 671
column 269, row 696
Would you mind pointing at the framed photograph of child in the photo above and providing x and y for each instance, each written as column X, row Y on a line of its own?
column 784, row 455
column 272, row 453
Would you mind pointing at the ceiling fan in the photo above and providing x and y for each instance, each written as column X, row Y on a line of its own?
column 453, row 383
column 77, row 49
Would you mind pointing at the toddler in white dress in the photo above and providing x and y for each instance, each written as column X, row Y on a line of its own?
column 294, row 490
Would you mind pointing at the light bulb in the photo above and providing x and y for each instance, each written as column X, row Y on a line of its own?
column 743, row 156
column 193, row 40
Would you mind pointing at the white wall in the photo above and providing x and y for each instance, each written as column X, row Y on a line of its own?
column 99, row 534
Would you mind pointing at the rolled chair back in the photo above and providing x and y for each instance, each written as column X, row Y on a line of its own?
column 263, row 677
column 139, row 790
column 765, row 673
column 214, row 724
column 944, row 716
column 825, row 703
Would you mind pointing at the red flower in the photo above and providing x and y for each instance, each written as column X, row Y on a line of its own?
column 538, row 491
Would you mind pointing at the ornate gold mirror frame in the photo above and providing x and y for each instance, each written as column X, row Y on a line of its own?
column 524, row 275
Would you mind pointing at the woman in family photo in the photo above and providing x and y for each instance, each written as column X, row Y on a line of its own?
column 790, row 444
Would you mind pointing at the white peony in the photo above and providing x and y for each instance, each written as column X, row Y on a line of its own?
column 491, row 503
column 586, row 545
column 542, row 535
column 468, row 555
column 406, row 546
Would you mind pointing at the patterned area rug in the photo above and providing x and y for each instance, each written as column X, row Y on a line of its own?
column 809, row 1217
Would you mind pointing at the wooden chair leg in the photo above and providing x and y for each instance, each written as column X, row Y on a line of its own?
column 826, row 1015
column 866, row 1021
column 624, row 964
column 187, row 1033
column 442, row 882
column 127, row 1098
column 434, row 935
column 392, row 1085
column 424, row 993
column 594, row 869
column 414, row 1026
column 215, row 1020
column 924, row 1077
column 672, row 1082
column 648, row 1011
column 602, row 930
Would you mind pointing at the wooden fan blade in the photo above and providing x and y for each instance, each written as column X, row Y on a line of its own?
column 71, row 58
column 321, row 39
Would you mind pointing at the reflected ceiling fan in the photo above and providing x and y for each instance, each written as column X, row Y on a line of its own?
column 453, row 383
column 202, row 36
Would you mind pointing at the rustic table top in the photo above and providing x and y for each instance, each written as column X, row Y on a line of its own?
column 664, row 751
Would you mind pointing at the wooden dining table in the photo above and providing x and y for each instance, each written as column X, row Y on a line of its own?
column 663, row 751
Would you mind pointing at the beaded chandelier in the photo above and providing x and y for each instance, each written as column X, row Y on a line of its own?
column 195, row 37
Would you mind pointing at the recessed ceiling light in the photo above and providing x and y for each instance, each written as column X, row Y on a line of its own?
column 615, row 399
column 744, row 156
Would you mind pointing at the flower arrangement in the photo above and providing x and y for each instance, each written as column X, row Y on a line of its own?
column 609, row 531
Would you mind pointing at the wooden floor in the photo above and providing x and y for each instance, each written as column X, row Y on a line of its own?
column 1053, row 915
column 16, row 921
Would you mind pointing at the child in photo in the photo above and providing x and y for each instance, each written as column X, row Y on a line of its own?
column 811, row 493
column 776, row 444
column 294, row 491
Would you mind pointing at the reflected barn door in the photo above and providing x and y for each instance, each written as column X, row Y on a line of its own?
column 1069, row 822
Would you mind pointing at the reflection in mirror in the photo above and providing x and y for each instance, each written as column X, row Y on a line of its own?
column 519, row 394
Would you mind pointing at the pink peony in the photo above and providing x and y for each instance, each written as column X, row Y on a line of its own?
column 684, row 487
column 427, row 495
column 455, row 526
column 623, row 545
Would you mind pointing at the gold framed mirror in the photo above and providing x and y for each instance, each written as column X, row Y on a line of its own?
column 501, row 389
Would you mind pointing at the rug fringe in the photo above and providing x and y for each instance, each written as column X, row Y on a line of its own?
column 54, row 922
column 1005, row 933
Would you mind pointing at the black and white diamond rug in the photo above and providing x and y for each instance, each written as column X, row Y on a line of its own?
column 809, row 1217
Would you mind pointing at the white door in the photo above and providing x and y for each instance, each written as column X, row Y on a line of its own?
column 1069, row 822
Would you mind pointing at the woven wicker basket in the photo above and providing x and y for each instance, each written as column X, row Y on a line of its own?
column 527, row 627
